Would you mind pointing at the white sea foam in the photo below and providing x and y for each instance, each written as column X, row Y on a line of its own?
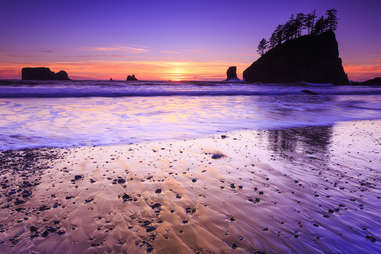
column 98, row 112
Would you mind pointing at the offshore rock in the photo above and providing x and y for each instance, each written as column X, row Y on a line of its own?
column 131, row 78
column 42, row 73
column 375, row 81
column 231, row 73
column 310, row 58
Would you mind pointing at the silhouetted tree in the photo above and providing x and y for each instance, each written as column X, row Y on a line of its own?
column 299, row 23
column 320, row 25
column 262, row 46
column 309, row 21
column 313, row 16
column 295, row 25
column 273, row 40
column 331, row 19
column 289, row 29
column 276, row 37
column 279, row 31
column 286, row 31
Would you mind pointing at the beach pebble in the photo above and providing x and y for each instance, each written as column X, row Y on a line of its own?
column 156, row 205
column 126, row 197
column 77, row 177
column 89, row 200
column 150, row 229
column 44, row 208
column 19, row 201
column 217, row 156
column 371, row 238
column 121, row 180
column 61, row 232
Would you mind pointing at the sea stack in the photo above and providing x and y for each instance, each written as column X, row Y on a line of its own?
column 42, row 73
column 61, row 75
column 231, row 73
column 375, row 81
column 131, row 78
column 310, row 58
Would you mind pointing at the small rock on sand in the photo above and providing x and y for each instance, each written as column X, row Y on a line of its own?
column 216, row 156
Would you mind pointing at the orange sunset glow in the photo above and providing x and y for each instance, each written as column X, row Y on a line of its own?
column 362, row 72
column 145, row 70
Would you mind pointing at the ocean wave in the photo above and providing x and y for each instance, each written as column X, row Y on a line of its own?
column 69, row 92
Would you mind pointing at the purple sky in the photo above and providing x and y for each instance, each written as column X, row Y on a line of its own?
column 169, row 39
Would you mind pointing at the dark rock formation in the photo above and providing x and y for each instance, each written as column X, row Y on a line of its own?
column 306, row 91
column 37, row 74
column 131, row 78
column 61, row 75
column 231, row 73
column 375, row 81
column 42, row 73
column 311, row 58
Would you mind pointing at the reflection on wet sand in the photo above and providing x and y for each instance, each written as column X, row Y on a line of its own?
column 307, row 140
column 301, row 190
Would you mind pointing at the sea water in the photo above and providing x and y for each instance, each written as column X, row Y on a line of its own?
column 77, row 113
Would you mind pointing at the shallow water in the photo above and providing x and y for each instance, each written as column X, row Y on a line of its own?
column 61, row 114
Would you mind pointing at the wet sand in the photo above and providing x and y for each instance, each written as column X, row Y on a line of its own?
column 299, row 190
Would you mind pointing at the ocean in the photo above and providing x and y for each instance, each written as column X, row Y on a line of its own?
column 86, row 113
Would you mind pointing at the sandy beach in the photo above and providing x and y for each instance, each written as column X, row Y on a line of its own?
column 298, row 190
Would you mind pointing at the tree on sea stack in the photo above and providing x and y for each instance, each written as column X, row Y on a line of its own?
column 304, row 48
column 332, row 19
column 309, row 21
column 294, row 27
column 277, row 36
column 299, row 23
column 262, row 46
column 320, row 26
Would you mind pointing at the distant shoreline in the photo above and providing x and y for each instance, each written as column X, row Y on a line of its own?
column 4, row 82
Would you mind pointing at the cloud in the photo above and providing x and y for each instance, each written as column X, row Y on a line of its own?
column 48, row 51
column 126, row 49
column 170, row 52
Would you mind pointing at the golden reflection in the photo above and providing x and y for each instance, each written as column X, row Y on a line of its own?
column 177, row 74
